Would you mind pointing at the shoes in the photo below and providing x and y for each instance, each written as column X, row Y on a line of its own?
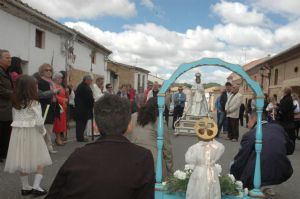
column 52, row 151
column 26, row 192
column 234, row 140
column 269, row 191
column 59, row 143
column 37, row 193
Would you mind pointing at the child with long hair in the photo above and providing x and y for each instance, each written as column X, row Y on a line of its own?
column 27, row 151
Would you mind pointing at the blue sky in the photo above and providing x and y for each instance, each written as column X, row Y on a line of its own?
column 158, row 35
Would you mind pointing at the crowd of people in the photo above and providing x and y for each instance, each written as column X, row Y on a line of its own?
column 34, row 109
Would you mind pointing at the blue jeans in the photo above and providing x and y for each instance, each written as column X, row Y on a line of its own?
column 222, row 121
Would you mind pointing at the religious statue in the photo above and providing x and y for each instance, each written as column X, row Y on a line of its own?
column 204, row 181
column 197, row 105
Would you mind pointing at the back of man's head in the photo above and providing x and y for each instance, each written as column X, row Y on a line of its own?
column 112, row 115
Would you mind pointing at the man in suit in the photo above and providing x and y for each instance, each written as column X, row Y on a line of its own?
column 5, row 103
column 232, row 109
column 110, row 168
column 179, row 102
column 84, row 102
column 275, row 165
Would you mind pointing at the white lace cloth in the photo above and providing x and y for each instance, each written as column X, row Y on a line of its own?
column 204, row 181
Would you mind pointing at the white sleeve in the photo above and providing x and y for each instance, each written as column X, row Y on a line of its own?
column 39, row 121
column 190, row 156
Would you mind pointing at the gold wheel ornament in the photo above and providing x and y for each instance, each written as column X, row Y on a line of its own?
column 206, row 128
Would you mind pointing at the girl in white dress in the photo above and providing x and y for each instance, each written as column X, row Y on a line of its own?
column 27, row 151
column 204, row 181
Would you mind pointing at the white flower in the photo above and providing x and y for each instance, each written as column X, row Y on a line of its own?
column 164, row 183
column 219, row 168
column 239, row 184
column 188, row 167
column 180, row 175
column 246, row 191
column 231, row 177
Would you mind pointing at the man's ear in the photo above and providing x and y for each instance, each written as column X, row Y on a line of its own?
column 129, row 127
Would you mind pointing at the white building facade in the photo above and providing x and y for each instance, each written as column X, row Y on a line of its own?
column 37, row 39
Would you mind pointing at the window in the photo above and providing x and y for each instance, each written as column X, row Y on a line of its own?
column 39, row 39
column 93, row 58
column 276, row 77
column 296, row 69
column 139, row 81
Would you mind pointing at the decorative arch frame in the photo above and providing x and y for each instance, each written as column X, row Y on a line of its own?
column 256, row 192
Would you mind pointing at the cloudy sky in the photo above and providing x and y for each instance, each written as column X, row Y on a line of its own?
column 159, row 35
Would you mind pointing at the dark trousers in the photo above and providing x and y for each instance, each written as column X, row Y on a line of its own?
column 167, row 115
column 241, row 117
column 80, row 127
column 233, row 128
column 297, row 127
column 178, row 111
column 5, row 130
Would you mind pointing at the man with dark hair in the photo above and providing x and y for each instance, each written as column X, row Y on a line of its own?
column 275, row 166
column 84, row 102
column 110, row 168
column 5, row 103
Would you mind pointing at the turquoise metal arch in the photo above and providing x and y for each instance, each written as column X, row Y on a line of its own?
column 259, row 107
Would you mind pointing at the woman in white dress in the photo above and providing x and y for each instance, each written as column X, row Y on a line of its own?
column 27, row 151
column 204, row 181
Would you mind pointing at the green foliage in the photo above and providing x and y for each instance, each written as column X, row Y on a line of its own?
column 176, row 185
column 228, row 187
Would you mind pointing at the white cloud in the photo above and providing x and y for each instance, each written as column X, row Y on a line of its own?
column 238, row 13
column 289, row 34
column 148, row 3
column 244, row 35
column 161, row 51
column 287, row 8
column 87, row 9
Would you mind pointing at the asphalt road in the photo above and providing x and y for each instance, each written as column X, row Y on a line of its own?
column 10, row 184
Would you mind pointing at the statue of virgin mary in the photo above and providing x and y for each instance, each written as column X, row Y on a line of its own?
column 197, row 105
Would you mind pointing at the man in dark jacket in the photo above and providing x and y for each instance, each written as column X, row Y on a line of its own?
column 5, row 103
column 110, row 168
column 223, row 99
column 84, row 103
column 286, row 113
column 275, row 166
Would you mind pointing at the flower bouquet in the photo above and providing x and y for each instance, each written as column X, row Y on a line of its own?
column 179, row 181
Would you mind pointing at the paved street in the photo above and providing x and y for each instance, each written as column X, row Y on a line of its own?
column 10, row 183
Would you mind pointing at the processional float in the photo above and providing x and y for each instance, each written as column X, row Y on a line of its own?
column 160, row 192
